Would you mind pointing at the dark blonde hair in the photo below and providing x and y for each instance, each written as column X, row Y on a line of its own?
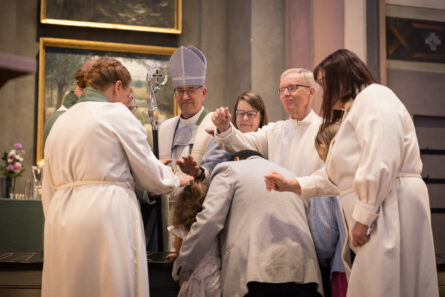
column 255, row 100
column 189, row 204
column 105, row 72
column 324, row 138
column 82, row 71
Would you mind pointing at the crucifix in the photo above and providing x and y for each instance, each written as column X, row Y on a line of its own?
column 156, row 78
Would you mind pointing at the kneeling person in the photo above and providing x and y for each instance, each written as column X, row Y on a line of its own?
column 266, row 245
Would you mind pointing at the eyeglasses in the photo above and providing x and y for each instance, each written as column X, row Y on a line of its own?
column 251, row 114
column 190, row 91
column 291, row 88
column 132, row 108
column 130, row 98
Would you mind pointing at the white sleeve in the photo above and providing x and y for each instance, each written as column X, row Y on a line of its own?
column 47, row 186
column 316, row 185
column 377, row 123
column 233, row 140
column 148, row 172
column 178, row 232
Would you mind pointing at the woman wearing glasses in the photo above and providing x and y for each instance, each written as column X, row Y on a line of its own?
column 250, row 112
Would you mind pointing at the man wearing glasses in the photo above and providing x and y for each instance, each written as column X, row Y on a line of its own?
column 288, row 143
column 177, row 135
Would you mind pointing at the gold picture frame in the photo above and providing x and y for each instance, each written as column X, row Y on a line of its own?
column 60, row 58
column 134, row 15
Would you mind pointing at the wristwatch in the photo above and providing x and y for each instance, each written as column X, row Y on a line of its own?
column 201, row 176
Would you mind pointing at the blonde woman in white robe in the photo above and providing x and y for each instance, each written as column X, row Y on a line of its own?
column 94, row 242
column 374, row 163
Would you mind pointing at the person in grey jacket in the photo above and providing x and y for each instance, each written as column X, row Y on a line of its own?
column 266, row 245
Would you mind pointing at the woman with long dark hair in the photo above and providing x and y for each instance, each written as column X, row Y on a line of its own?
column 374, row 163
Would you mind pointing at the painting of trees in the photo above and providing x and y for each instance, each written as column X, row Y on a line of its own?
column 61, row 63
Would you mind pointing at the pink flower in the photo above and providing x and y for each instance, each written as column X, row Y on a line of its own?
column 20, row 151
column 10, row 167
column 18, row 166
column 18, row 145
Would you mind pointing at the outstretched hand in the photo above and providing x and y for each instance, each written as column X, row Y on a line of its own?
column 221, row 119
column 189, row 165
column 275, row 181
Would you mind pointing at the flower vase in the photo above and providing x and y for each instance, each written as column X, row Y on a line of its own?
column 6, row 186
column 12, row 187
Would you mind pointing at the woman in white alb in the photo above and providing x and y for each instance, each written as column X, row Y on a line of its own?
column 94, row 241
column 374, row 163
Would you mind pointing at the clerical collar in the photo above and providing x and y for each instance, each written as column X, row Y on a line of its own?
column 304, row 122
column 90, row 94
column 191, row 120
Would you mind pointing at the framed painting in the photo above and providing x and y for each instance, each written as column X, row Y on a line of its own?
column 163, row 16
column 59, row 59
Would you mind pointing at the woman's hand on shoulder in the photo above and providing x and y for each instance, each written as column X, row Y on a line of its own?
column 275, row 181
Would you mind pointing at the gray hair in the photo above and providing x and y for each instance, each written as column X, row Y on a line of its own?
column 307, row 75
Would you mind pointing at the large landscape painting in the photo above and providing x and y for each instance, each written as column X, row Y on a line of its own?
column 61, row 58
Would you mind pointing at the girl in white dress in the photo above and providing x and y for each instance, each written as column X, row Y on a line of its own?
column 205, row 279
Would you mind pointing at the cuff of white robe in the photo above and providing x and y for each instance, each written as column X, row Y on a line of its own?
column 224, row 134
column 365, row 213
column 308, row 187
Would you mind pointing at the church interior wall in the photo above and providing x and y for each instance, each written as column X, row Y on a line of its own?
column 420, row 86
column 248, row 44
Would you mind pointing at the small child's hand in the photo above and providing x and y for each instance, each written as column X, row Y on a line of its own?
column 171, row 257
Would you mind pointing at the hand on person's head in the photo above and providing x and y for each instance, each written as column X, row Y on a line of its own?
column 184, row 179
column 189, row 166
column 221, row 119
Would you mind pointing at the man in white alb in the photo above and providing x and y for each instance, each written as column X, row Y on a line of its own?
column 288, row 143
